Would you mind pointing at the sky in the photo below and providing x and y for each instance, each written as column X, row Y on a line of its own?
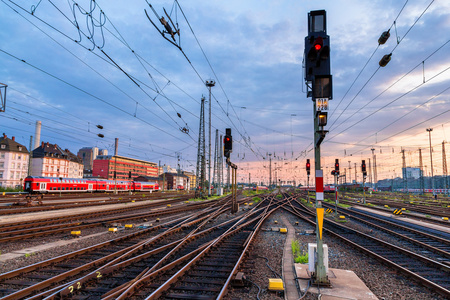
column 77, row 64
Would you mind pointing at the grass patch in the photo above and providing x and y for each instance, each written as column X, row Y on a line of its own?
column 299, row 256
column 256, row 199
column 279, row 196
column 344, row 205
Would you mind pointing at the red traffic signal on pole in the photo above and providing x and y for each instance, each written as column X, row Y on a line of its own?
column 308, row 167
column 227, row 143
column 363, row 167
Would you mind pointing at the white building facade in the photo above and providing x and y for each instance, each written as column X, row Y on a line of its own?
column 14, row 159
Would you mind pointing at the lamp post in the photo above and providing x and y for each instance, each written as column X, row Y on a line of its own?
column 431, row 158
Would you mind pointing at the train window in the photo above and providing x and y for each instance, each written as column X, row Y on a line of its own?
column 58, row 188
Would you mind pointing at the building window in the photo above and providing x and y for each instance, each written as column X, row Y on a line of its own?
column 3, row 146
column 13, row 156
column 2, row 155
column 18, row 165
column 1, row 174
column 19, row 157
column 2, row 164
column 11, row 176
column 17, row 175
column 13, row 165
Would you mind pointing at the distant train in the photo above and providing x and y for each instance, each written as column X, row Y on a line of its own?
column 326, row 189
column 44, row 185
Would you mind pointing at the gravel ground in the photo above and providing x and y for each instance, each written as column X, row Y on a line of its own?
column 385, row 283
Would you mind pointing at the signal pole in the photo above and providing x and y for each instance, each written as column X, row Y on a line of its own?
column 319, row 87
column 431, row 158
column 209, row 84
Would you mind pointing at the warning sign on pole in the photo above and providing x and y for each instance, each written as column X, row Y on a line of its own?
column 319, row 185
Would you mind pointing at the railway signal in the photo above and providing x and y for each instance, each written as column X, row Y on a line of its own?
column 336, row 166
column 308, row 167
column 363, row 168
column 227, row 143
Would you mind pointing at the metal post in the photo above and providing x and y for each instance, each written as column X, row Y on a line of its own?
column 431, row 158
column 308, row 188
column 209, row 84
column 336, row 199
column 320, row 271
column 364, row 189
column 30, row 156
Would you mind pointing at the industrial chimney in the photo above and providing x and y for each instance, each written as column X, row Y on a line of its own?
column 37, row 135
column 116, row 147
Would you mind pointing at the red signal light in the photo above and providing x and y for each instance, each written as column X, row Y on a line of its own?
column 317, row 47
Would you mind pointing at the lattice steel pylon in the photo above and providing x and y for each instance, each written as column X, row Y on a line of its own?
column 444, row 168
column 201, row 153
column 422, row 185
column 404, row 174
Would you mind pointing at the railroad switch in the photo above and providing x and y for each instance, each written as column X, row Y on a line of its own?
column 444, row 218
column 169, row 205
column 296, row 223
column 329, row 211
column 128, row 225
column 157, row 219
column 276, row 222
column 113, row 229
column 387, row 206
column 283, row 230
column 342, row 217
column 238, row 280
column 276, row 284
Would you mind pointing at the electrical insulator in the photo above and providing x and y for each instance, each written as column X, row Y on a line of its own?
column 384, row 37
column 100, row 135
column 99, row 126
column 384, row 61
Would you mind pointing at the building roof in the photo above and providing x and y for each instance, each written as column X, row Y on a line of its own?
column 49, row 150
column 111, row 157
column 73, row 157
column 10, row 145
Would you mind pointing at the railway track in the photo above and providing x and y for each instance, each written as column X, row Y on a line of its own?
column 135, row 268
column 429, row 242
column 19, row 231
column 428, row 272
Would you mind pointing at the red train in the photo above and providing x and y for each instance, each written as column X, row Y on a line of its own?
column 43, row 185
column 326, row 189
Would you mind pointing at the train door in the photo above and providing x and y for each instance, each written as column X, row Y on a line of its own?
column 43, row 187
column 90, row 187
column 27, row 186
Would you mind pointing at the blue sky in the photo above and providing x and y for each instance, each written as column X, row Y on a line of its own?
column 254, row 52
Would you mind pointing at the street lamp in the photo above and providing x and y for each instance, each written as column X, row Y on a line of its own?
column 431, row 158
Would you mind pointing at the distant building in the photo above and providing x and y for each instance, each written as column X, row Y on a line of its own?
column 176, row 181
column 192, row 179
column 88, row 155
column 412, row 173
column 105, row 166
column 13, row 162
column 49, row 160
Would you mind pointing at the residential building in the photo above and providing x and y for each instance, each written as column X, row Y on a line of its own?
column 49, row 160
column 125, row 168
column 13, row 162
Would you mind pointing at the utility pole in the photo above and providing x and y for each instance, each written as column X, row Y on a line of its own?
column 356, row 176
column 444, row 168
column 374, row 157
column 370, row 173
column 421, row 180
column 319, row 87
column 404, row 174
column 201, row 166
column 216, row 164
column 349, row 172
column 220, row 167
column 270, row 169
column 209, row 84
column 431, row 158
column 30, row 156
